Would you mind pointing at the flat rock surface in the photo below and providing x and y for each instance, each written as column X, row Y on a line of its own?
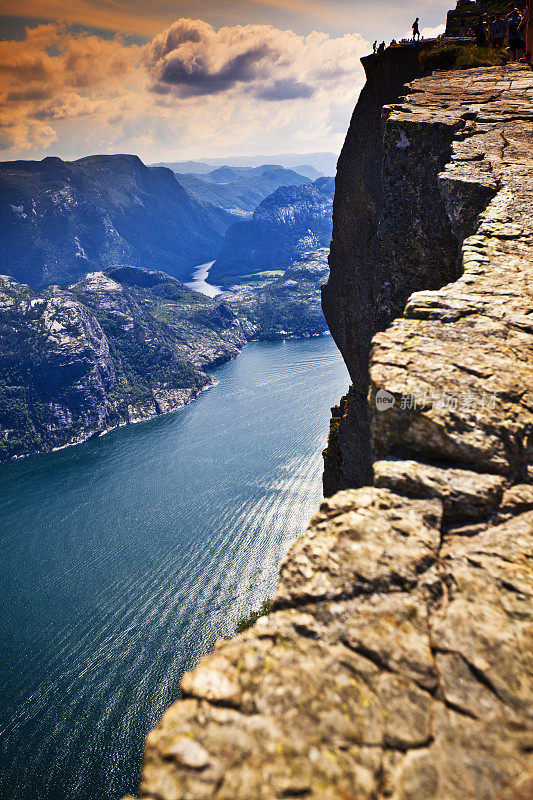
column 397, row 662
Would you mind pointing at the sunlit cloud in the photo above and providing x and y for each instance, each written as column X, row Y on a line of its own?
column 190, row 58
column 191, row 90
column 54, row 75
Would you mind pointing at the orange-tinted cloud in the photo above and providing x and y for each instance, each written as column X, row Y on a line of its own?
column 190, row 87
column 53, row 74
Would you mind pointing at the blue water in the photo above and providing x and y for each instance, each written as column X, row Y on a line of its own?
column 199, row 282
column 126, row 557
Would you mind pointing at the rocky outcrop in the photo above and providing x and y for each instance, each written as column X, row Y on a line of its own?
column 467, row 13
column 409, row 237
column 349, row 296
column 291, row 221
column 397, row 660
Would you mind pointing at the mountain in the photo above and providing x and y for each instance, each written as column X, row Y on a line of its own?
column 288, row 306
column 128, row 344
column 323, row 164
column 117, row 347
column 288, row 223
column 61, row 220
column 239, row 190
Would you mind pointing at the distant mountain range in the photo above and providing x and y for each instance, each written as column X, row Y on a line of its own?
column 61, row 220
column 291, row 221
column 239, row 190
column 312, row 165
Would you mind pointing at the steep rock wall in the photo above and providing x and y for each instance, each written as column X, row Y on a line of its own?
column 397, row 661
column 392, row 235
column 389, row 229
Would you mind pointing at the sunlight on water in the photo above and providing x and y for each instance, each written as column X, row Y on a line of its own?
column 126, row 557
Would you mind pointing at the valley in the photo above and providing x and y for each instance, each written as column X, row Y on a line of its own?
column 96, row 329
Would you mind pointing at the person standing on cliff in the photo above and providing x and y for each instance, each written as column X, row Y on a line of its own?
column 498, row 29
column 416, row 29
column 480, row 32
column 527, row 26
column 516, row 43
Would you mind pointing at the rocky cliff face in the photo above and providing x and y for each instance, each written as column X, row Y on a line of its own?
column 397, row 661
column 393, row 233
column 288, row 223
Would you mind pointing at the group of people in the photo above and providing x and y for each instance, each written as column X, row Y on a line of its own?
column 416, row 36
column 516, row 27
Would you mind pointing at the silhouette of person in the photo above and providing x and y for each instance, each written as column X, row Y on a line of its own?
column 416, row 29
column 526, row 25
column 375, row 45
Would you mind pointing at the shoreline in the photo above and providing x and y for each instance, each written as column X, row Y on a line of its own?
column 97, row 434
column 126, row 424
column 123, row 424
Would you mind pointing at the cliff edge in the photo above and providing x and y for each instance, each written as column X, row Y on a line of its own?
column 397, row 661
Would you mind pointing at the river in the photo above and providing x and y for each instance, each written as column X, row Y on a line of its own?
column 127, row 556
column 199, row 282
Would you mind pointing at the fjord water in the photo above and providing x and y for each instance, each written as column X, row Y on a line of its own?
column 199, row 282
column 127, row 556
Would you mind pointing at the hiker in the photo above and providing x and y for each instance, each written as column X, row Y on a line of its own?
column 498, row 30
column 516, row 43
column 526, row 25
column 375, row 46
column 416, row 29
column 381, row 48
column 480, row 32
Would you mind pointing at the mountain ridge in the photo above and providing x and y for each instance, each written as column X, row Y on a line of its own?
column 285, row 225
column 64, row 219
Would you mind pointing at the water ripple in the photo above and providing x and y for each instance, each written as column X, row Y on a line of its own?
column 126, row 557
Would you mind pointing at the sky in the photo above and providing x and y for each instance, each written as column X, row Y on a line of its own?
column 185, row 80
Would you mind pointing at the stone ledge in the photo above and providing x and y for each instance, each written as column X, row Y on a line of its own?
column 397, row 662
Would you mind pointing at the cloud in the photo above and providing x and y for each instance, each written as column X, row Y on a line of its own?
column 191, row 90
column 432, row 33
column 191, row 59
column 53, row 74
column 285, row 89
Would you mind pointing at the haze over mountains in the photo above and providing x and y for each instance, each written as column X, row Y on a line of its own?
column 239, row 190
column 316, row 165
